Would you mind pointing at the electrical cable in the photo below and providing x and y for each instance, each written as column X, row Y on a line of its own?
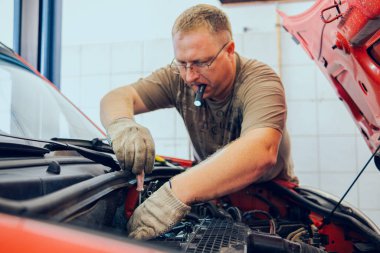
column 272, row 222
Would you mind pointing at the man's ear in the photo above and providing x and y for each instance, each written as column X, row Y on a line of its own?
column 231, row 48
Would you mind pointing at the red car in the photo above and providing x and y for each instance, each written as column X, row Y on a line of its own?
column 61, row 188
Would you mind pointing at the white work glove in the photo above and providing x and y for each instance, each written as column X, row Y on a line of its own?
column 133, row 145
column 157, row 214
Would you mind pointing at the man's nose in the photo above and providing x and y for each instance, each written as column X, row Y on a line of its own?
column 191, row 75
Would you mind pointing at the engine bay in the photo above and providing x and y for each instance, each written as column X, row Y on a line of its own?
column 260, row 218
column 275, row 216
column 209, row 228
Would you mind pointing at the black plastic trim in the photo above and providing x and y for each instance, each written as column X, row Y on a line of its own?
column 10, row 163
column 65, row 202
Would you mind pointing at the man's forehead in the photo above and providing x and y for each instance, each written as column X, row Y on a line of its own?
column 193, row 49
column 193, row 35
column 200, row 36
column 196, row 45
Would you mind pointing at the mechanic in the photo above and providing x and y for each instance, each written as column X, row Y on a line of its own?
column 238, row 134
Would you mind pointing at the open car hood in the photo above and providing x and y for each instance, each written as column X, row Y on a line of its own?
column 343, row 38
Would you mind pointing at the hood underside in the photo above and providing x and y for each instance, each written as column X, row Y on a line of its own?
column 343, row 38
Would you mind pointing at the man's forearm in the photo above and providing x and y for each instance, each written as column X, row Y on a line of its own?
column 116, row 104
column 239, row 164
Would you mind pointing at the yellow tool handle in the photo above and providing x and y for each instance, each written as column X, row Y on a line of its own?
column 159, row 159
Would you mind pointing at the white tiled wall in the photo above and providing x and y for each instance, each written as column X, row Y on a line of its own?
column 328, row 150
column 127, row 58
column 261, row 46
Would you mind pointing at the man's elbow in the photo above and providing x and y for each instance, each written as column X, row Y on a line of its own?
column 269, row 162
column 267, row 169
column 105, row 100
column 272, row 160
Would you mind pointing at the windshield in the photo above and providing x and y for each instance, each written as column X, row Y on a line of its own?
column 30, row 107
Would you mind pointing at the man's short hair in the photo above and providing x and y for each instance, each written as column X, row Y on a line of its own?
column 202, row 16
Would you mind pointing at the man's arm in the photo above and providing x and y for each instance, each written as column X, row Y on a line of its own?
column 248, row 159
column 120, row 103
column 132, row 143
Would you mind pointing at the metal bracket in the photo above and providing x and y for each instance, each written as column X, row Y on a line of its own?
column 336, row 6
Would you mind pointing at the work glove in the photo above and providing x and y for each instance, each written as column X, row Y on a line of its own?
column 157, row 214
column 133, row 145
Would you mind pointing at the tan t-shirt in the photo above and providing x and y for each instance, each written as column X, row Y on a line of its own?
column 257, row 101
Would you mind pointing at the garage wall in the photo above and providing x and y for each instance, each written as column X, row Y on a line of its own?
column 110, row 43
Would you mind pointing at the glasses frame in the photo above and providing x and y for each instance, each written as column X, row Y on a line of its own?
column 178, row 68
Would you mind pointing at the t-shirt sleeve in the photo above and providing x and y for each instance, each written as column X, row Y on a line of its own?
column 263, row 100
column 158, row 89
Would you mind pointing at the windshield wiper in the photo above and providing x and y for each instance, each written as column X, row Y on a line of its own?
column 94, row 144
column 8, row 149
column 96, row 156
column 93, row 155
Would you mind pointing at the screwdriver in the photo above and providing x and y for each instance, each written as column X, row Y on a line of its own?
column 140, row 184
column 140, row 177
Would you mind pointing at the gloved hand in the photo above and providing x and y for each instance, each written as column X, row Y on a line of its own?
column 157, row 214
column 133, row 145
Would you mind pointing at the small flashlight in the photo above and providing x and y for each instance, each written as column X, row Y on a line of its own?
column 199, row 95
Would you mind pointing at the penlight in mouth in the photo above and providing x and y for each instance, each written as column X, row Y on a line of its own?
column 199, row 95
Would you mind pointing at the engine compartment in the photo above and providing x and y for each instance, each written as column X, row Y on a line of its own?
column 263, row 218
column 270, row 217
column 217, row 230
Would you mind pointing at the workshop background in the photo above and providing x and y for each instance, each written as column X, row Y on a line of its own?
column 106, row 44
